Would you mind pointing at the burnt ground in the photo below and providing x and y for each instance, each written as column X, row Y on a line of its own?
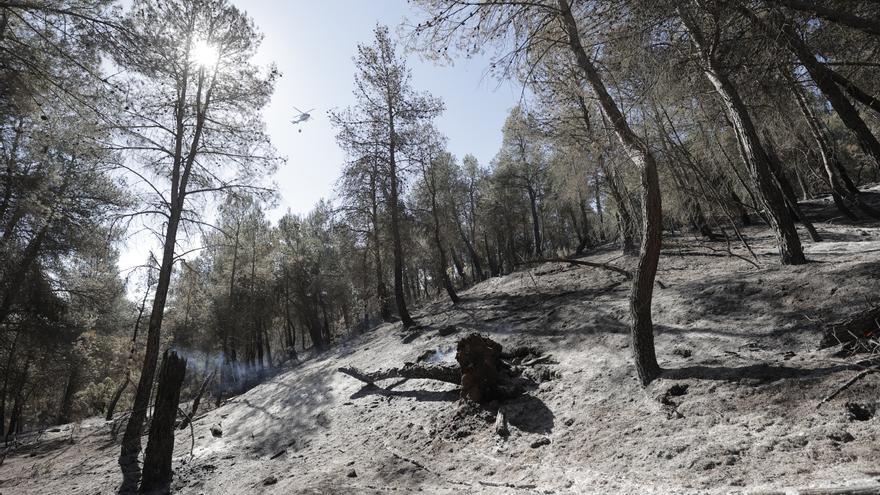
column 735, row 412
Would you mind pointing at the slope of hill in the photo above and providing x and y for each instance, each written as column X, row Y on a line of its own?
column 736, row 410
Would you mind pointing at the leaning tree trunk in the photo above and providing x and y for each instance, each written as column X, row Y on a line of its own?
column 787, row 189
column 779, row 28
column 836, row 15
column 752, row 151
column 160, row 445
column 643, row 283
column 197, row 401
column 843, row 195
column 111, row 407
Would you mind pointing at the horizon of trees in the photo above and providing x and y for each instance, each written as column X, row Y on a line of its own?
column 639, row 119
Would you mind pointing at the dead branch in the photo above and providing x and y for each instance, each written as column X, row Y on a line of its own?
column 848, row 383
column 442, row 373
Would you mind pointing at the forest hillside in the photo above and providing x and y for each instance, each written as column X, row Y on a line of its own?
column 737, row 409
column 304, row 247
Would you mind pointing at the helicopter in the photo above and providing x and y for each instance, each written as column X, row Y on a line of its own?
column 302, row 117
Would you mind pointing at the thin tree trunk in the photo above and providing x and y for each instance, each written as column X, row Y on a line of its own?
column 840, row 192
column 787, row 190
column 66, row 405
column 442, row 263
column 196, row 401
column 399, row 296
column 536, row 224
column 643, row 283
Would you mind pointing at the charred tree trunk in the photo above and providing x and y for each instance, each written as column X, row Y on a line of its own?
column 114, row 401
column 66, row 405
column 131, row 440
column 490, row 258
column 643, row 284
column 381, row 289
column 157, row 472
column 478, row 359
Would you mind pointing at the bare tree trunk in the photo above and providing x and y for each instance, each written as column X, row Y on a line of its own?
column 599, row 210
column 131, row 440
column 752, row 151
column 160, row 444
column 442, row 263
column 7, row 372
column 399, row 296
column 643, row 284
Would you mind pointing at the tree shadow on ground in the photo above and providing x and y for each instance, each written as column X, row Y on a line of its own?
column 529, row 414
column 776, row 293
column 284, row 410
column 419, row 395
column 758, row 373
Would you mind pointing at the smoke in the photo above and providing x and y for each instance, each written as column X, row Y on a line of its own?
column 232, row 375
column 442, row 354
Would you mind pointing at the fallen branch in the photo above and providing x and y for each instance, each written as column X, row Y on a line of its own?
column 442, row 373
column 508, row 485
column 537, row 360
column 848, row 384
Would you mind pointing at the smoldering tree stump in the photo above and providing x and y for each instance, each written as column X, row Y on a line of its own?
column 479, row 359
column 156, row 477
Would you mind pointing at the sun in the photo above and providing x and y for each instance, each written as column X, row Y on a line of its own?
column 204, row 54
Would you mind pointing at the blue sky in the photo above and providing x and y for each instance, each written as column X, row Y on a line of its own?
column 313, row 42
